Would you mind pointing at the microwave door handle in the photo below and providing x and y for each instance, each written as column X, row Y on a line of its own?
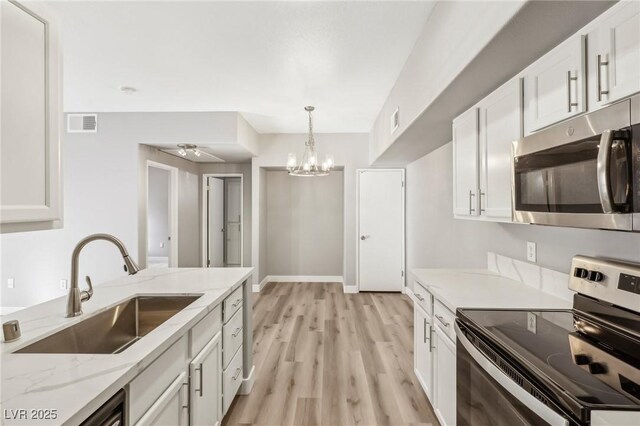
column 508, row 385
column 604, row 171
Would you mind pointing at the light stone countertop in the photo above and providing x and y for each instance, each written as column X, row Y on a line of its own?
column 479, row 288
column 77, row 384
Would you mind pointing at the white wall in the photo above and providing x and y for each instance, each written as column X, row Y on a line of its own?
column 304, row 224
column 100, row 172
column 158, row 213
column 350, row 152
column 436, row 240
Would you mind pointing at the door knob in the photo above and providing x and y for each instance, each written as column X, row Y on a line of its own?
column 364, row 237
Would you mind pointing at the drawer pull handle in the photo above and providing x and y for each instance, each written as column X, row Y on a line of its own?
column 201, row 384
column 183, row 406
column 419, row 297
column 237, row 302
column 431, row 347
column 238, row 371
column 441, row 319
column 238, row 330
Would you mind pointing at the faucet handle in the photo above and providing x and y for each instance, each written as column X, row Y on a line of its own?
column 86, row 294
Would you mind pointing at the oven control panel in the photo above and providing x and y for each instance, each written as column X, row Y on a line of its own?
column 609, row 280
column 630, row 283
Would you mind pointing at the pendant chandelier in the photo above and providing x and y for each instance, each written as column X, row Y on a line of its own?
column 309, row 164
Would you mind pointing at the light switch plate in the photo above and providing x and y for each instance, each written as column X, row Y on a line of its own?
column 11, row 283
column 531, row 252
column 63, row 284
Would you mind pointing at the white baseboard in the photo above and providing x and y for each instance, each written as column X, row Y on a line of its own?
column 258, row 287
column 247, row 382
column 350, row 289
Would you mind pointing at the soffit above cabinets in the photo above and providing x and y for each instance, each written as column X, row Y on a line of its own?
column 425, row 124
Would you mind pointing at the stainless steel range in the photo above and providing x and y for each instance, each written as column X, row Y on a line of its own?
column 558, row 367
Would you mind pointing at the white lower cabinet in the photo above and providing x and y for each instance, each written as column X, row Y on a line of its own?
column 444, row 366
column 423, row 349
column 206, row 384
column 190, row 383
column 435, row 358
column 171, row 409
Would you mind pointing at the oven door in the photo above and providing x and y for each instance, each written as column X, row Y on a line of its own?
column 488, row 397
column 577, row 173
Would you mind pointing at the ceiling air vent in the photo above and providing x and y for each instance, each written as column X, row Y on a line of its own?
column 82, row 123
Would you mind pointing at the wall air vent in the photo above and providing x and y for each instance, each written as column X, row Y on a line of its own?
column 82, row 123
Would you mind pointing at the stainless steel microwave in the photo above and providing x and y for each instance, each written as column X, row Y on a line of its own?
column 582, row 173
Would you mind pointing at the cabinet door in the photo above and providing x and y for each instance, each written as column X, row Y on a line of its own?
column 500, row 125
column 30, row 114
column 445, row 378
column 465, row 164
column 555, row 86
column 614, row 54
column 423, row 349
column 171, row 409
column 206, row 384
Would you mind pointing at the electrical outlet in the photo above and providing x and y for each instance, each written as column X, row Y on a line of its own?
column 161, row 245
column 531, row 252
column 11, row 283
column 63, row 285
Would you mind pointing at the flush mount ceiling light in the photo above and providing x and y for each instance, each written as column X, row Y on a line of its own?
column 185, row 147
column 309, row 164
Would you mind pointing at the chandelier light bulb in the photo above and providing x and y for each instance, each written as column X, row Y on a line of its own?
column 292, row 161
column 197, row 152
column 306, row 167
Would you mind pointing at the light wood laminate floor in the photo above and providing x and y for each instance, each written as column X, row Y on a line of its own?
column 323, row 357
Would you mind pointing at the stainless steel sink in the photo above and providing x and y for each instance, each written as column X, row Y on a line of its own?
column 114, row 330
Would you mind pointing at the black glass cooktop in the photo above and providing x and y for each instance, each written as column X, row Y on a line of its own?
column 564, row 349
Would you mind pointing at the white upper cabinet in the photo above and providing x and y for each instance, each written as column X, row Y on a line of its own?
column 30, row 194
column 614, row 54
column 554, row 85
column 465, row 164
column 500, row 125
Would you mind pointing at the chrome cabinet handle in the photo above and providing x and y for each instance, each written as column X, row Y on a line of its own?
column 471, row 195
column 238, row 330
column 419, row 297
column 424, row 332
column 201, row 384
column 570, row 104
column 187, row 399
column 481, row 195
column 431, row 347
column 235, row 376
column 237, row 302
column 599, row 64
column 441, row 319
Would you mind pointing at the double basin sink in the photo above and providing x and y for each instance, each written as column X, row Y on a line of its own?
column 114, row 330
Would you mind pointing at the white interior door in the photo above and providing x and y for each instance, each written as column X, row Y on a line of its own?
column 215, row 216
column 381, row 230
column 233, row 225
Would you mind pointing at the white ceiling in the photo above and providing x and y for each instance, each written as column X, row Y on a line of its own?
column 264, row 59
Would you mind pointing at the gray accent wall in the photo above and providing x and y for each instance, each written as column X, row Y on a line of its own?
column 436, row 240
column 305, row 218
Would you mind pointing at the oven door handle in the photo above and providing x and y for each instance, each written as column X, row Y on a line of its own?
column 604, row 171
column 528, row 400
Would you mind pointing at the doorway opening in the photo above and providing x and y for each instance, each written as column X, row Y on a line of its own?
column 222, row 220
column 162, row 216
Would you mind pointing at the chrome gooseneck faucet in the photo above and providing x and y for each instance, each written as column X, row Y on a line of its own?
column 76, row 296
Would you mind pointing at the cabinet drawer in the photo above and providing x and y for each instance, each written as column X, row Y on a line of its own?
column 232, row 303
column 424, row 298
column 204, row 330
column 231, row 337
column 232, row 378
column 444, row 319
column 149, row 385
